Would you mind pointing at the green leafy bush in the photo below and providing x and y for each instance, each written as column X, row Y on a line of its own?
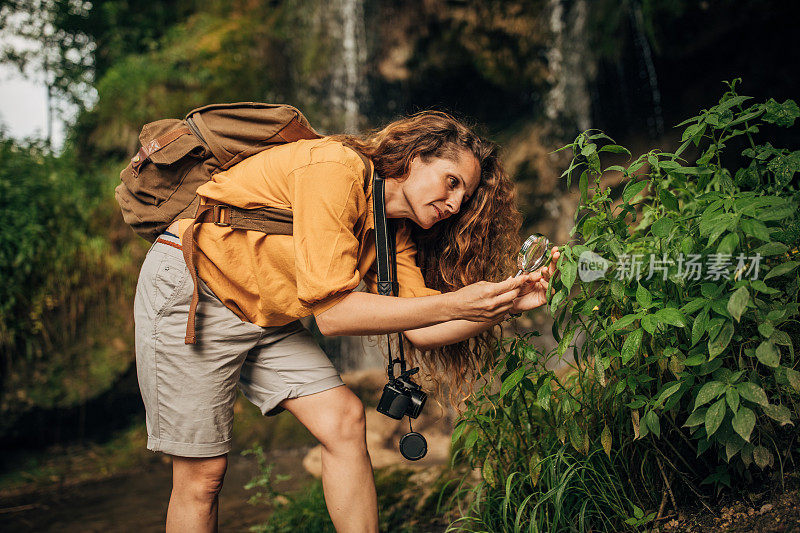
column 686, row 379
column 59, row 344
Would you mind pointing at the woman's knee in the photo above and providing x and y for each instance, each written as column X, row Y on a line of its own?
column 199, row 478
column 335, row 417
column 347, row 425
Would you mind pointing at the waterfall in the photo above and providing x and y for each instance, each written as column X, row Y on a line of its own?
column 655, row 122
column 348, row 86
column 571, row 65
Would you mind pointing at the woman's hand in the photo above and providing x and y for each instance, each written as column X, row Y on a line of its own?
column 534, row 291
column 485, row 301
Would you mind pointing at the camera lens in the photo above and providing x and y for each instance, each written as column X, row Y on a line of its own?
column 413, row 446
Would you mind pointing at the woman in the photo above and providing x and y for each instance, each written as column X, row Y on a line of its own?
column 458, row 227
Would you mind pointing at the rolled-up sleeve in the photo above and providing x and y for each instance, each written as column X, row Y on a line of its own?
column 409, row 276
column 327, row 199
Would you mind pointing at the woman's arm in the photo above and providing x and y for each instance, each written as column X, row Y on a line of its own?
column 449, row 332
column 361, row 313
column 532, row 294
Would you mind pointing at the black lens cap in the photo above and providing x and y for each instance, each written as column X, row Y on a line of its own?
column 413, row 446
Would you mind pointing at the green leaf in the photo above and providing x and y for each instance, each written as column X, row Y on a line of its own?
column 693, row 131
column 780, row 114
column 768, row 354
column 731, row 102
column 565, row 341
column 643, row 297
column 738, row 302
column 778, row 336
column 766, row 328
column 662, row 227
column 671, row 316
column 743, row 423
column 784, row 167
column 623, row 322
column 781, row 269
column 762, row 457
column 699, row 328
column 708, row 392
column 779, row 213
column 755, row 228
column 746, row 117
column 732, row 397
column 615, row 149
column 752, row 392
column 631, row 345
column 779, row 413
column 695, row 360
column 721, row 341
column 693, row 305
column 488, row 472
column 762, row 287
column 696, row 418
column 458, row 431
column 543, row 396
column 535, row 467
column 771, row 248
column 599, row 370
column 576, row 435
column 668, row 199
column 793, row 377
column 511, row 382
column 651, row 419
column 669, row 391
column 649, row 324
column 471, row 439
column 605, row 440
column 637, row 402
column 728, row 244
column 732, row 447
column 583, row 187
column 632, row 189
column 569, row 271
column 714, row 417
column 617, row 291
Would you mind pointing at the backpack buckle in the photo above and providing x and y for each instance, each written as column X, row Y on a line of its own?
column 221, row 216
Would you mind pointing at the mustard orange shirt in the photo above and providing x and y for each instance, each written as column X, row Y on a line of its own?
column 271, row 280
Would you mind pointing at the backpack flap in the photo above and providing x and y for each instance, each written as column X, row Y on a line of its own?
column 234, row 132
column 159, row 183
column 168, row 152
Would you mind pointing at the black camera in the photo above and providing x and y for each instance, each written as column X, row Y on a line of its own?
column 402, row 397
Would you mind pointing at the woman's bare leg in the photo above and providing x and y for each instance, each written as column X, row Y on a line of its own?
column 336, row 418
column 194, row 502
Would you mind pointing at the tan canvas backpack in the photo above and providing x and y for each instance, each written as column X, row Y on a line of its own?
column 177, row 156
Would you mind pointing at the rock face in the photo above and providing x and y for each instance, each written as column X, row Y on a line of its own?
column 383, row 433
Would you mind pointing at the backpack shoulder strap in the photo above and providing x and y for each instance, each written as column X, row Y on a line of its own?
column 269, row 220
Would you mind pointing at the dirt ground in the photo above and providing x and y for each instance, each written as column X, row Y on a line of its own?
column 769, row 510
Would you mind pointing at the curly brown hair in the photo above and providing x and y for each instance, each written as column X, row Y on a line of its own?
column 477, row 243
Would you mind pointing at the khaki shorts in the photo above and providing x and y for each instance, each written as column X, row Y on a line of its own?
column 189, row 390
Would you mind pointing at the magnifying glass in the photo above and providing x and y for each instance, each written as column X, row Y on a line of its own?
column 533, row 253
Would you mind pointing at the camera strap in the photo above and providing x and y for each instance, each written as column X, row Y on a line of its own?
column 386, row 261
